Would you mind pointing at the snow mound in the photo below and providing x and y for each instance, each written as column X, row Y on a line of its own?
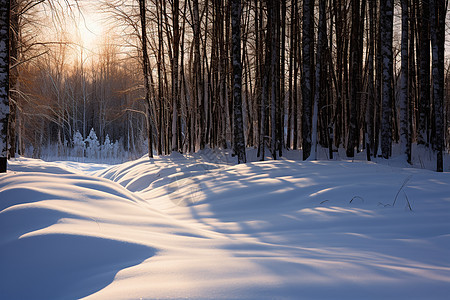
column 199, row 227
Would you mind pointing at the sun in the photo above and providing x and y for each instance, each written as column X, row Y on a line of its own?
column 90, row 31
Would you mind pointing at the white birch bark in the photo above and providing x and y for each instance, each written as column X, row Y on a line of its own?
column 239, row 142
column 4, row 82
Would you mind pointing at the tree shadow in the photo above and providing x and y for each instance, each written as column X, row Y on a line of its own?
column 64, row 266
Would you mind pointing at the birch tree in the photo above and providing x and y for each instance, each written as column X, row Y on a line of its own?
column 424, row 73
column 4, row 82
column 13, row 76
column 145, row 69
column 438, row 10
column 386, row 32
column 176, row 109
column 308, row 75
column 370, row 111
column 404, row 90
column 321, row 44
column 239, row 143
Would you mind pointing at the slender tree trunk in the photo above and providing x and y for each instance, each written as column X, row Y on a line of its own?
column 412, row 72
column 160, row 79
column 354, row 79
column 321, row 45
column 258, row 76
column 4, row 82
column 13, row 76
column 281, row 112
column 290, row 80
column 198, row 77
column 295, row 49
column 438, row 10
column 307, row 77
column 386, row 28
column 424, row 74
column 272, row 25
column 175, row 78
column 404, row 80
column 265, row 91
column 239, row 142
column 370, row 84
column 146, row 64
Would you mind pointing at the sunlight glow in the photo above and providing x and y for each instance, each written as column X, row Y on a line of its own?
column 90, row 31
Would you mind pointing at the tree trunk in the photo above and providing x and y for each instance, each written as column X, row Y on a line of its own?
column 386, row 30
column 424, row 74
column 291, row 79
column 13, row 76
column 404, row 80
column 355, row 79
column 239, row 143
column 160, row 79
column 370, row 84
column 307, row 78
column 145, row 69
column 265, row 91
column 438, row 10
column 4, row 82
column 321, row 45
column 272, row 28
column 175, row 95
column 296, row 33
column 282, row 33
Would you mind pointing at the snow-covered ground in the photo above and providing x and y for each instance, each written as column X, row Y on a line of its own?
column 200, row 227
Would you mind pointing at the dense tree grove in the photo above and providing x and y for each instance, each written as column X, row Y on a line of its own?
column 185, row 75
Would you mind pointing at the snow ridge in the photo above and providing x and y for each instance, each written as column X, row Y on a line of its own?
column 199, row 227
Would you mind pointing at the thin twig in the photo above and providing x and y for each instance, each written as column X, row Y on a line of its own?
column 356, row 197
column 407, row 201
column 403, row 185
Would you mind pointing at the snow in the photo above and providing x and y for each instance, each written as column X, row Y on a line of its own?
column 197, row 226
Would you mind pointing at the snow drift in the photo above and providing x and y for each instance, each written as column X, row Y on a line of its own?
column 197, row 227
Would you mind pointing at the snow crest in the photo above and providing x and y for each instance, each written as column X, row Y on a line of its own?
column 197, row 227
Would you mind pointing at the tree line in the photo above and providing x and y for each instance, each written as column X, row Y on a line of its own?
column 274, row 75
column 313, row 73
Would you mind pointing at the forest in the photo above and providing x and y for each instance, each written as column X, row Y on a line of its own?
column 187, row 75
column 224, row 149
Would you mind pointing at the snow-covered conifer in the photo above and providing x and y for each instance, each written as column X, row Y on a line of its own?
column 78, row 144
column 93, row 145
column 107, row 148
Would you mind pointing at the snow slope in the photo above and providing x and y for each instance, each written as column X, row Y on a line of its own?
column 199, row 227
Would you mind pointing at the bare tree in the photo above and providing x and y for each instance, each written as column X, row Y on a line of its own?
column 239, row 142
column 176, row 108
column 145, row 69
column 4, row 82
column 370, row 111
column 308, row 74
column 386, row 32
column 355, row 77
column 438, row 10
column 404, row 88
column 424, row 74
column 321, row 45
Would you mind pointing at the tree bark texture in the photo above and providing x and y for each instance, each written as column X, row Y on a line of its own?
column 4, row 82
column 386, row 32
column 239, row 142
